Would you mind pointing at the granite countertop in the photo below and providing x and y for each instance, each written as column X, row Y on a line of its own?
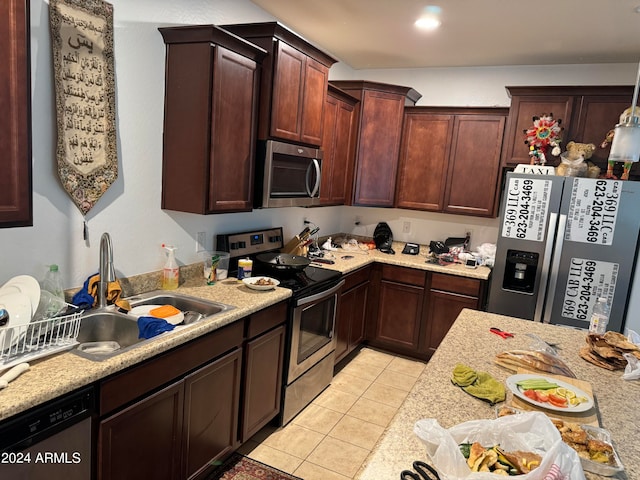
column 365, row 257
column 58, row 374
column 470, row 342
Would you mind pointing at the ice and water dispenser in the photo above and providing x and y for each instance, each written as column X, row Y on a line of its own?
column 520, row 271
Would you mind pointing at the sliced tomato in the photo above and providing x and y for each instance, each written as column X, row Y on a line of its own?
column 530, row 394
column 542, row 396
column 557, row 401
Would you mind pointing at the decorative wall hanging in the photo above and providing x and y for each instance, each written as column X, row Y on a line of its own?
column 83, row 62
column 544, row 133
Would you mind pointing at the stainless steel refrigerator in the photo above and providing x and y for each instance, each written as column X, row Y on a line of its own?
column 564, row 242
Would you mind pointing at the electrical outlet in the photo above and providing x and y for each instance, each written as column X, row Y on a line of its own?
column 356, row 221
column 406, row 227
column 201, row 242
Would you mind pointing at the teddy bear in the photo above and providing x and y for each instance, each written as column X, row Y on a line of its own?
column 574, row 161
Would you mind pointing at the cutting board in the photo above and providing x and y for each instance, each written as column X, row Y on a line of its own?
column 590, row 417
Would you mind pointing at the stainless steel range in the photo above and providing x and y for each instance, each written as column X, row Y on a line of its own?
column 310, row 346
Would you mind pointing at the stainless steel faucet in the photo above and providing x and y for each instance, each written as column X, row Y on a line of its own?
column 107, row 272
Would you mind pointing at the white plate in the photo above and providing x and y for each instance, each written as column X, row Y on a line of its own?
column 145, row 311
column 582, row 407
column 25, row 284
column 19, row 307
column 251, row 283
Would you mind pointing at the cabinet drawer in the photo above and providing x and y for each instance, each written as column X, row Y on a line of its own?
column 453, row 283
column 356, row 278
column 139, row 380
column 266, row 319
column 409, row 276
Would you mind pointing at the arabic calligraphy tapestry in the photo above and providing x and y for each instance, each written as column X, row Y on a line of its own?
column 83, row 63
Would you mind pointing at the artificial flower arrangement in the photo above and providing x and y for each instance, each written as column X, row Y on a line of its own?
column 544, row 133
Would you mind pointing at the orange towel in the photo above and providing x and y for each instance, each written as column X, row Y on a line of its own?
column 114, row 290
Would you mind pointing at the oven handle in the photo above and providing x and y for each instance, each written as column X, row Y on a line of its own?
column 321, row 295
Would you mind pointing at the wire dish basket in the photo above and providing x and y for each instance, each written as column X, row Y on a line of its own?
column 39, row 339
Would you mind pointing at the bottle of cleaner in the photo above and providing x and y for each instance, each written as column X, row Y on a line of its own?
column 599, row 317
column 170, row 271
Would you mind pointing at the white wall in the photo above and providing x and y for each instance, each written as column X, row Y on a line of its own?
column 130, row 209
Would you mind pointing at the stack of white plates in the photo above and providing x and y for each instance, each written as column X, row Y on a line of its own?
column 20, row 297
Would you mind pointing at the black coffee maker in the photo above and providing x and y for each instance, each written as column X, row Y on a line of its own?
column 383, row 237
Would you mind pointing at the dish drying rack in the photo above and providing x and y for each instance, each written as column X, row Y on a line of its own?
column 40, row 338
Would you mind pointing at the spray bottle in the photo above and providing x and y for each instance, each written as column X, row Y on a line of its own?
column 170, row 271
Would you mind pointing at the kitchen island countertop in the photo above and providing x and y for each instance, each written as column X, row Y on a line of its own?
column 470, row 342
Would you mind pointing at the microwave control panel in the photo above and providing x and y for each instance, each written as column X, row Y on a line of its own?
column 250, row 243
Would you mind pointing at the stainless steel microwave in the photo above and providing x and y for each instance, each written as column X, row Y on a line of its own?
column 287, row 175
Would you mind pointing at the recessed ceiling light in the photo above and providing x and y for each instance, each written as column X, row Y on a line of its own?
column 430, row 18
column 637, row 9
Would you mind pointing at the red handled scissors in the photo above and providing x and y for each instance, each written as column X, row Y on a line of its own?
column 500, row 333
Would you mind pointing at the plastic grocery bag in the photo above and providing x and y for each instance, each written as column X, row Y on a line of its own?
column 530, row 431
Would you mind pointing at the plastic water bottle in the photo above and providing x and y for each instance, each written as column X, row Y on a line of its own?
column 599, row 317
column 52, row 301
column 52, row 282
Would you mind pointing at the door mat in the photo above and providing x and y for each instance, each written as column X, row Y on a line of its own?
column 239, row 467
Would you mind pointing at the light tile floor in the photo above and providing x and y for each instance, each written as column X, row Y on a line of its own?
column 332, row 437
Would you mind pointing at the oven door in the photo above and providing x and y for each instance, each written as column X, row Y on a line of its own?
column 312, row 331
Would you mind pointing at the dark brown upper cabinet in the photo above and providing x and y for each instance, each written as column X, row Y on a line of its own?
column 587, row 114
column 210, row 117
column 293, row 89
column 450, row 159
column 16, row 204
column 338, row 147
column 379, row 128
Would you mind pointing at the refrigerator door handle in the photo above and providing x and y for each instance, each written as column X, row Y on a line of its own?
column 555, row 269
column 544, row 274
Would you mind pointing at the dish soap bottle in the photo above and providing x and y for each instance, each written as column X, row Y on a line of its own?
column 599, row 317
column 170, row 271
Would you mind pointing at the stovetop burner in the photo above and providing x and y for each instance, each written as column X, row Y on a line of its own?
column 302, row 282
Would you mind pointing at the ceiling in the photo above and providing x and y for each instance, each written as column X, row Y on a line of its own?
column 380, row 33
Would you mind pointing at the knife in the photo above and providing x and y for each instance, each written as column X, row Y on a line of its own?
column 12, row 374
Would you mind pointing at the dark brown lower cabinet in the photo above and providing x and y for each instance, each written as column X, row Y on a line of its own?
column 176, row 432
column 414, row 309
column 144, row 440
column 352, row 312
column 212, row 399
column 263, row 381
column 399, row 309
column 447, row 296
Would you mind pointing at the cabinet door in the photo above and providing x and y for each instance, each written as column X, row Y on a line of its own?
column 144, row 440
column 422, row 175
column 596, row 116
column 443, row 309
column 263, row 381
column 288, row 93
column 212, row 399
column 474, row 165
column 350, row 321
column 399, row 315
column 15, row 123
column 233, row 128
column 337, row 147
column 313, row 102
column 378, row 148
column 521, row 113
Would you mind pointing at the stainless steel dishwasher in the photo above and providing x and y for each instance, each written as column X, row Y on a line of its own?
column 53, row 440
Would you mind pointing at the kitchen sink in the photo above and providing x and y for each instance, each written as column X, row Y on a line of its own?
column 106, row 332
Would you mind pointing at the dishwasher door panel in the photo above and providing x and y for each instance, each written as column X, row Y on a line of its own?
column 64, row 455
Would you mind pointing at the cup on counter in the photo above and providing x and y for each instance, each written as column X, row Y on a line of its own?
column 221, row 266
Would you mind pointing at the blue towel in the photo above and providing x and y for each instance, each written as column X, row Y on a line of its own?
column 83, row 298
column 151, row 326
